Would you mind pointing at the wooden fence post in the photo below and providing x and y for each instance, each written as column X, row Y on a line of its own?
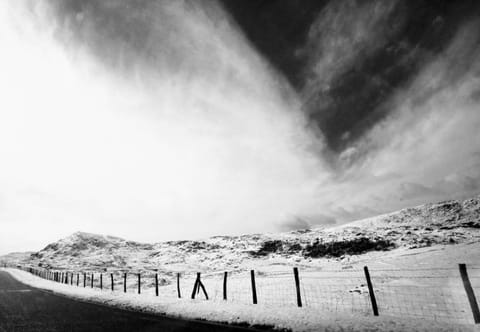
column 91, row 281
column 178, row 285
column 84, row 279
column 139, row 283
column 156, row 284
column 101, row 281
column 195, row 286
column 125, row 282
column 78, row 279
column 111, row 280
column 225, row 274
column 470, row 294
column 370, row 291
column 297, row 286
column 254, row 287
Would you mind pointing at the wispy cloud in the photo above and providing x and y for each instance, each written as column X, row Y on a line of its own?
column 427, row 149
column 343, row 35
column 157, row 120
column 149, row 120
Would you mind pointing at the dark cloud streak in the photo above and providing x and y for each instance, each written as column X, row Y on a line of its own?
column 357, row 96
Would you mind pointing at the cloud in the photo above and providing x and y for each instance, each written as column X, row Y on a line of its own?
column 158, row 120
column 306, row 222
column 343, row 35
column 427, row 149
column 148, row 120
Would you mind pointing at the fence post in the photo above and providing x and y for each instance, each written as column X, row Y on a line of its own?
column 370, row 291
column 470, row 294
column 178, row 285
column 195, row 286
column 101, row 281
column 84, row 279
column 297, row 286
column 78, row 279
column 156, row 284
column 125, row 282
column 254, row 287
column 111, row 280
column 91, row 281
column 71, row 279
column 225, row 274
column 139, row 283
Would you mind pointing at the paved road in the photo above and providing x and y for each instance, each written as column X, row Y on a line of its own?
column 23, row 308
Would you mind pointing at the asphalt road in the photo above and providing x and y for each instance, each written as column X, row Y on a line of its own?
column 23, row 308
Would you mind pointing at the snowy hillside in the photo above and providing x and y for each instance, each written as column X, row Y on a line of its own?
column 445, row 223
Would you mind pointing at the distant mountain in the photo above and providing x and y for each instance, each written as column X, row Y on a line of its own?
column 446, row 223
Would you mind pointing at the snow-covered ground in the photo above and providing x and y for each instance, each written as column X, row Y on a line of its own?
column 416, row 279
column 290, row 317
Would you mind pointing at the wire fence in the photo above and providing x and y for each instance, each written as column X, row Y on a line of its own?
column 437, row 294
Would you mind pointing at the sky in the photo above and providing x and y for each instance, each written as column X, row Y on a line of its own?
column 164, row 120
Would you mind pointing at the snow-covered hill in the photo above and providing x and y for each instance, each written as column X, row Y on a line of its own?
column 445, row 223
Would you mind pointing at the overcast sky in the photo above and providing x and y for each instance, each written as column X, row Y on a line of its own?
column 162, row 120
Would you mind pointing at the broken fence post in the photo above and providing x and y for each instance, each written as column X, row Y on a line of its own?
column 470, row 294
column 195, row 286
column 370, row 291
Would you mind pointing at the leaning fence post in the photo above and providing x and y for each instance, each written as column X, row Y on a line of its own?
column 111, row 280
column 125, row 282
column 195, row 286
column 370, row 291
column 139, row 283
column 156, row 284
column 254, row 288
column 225, row 274
column 178, row 285
column 297, row 286
column 470, row 294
